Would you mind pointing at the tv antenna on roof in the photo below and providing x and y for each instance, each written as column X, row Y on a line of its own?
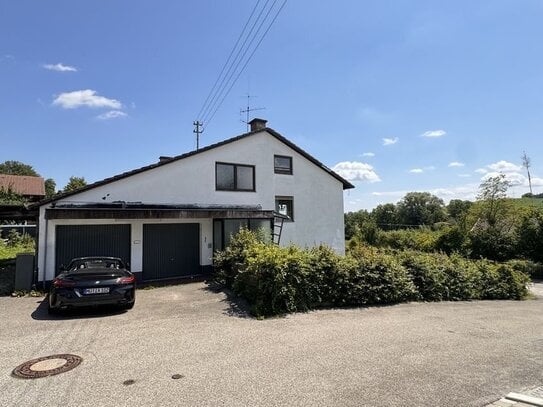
column 248, row 110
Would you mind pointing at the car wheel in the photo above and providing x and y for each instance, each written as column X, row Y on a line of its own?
column 50, row 309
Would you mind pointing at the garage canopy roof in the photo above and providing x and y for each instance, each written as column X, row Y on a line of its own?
column 138, row 210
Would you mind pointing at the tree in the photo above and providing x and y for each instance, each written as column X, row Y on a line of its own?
column 492, row 194
column 74, row 183
column 385, row 216
column 50, row 187
column 492, row 235
column 526, row 163
column 17, row 168
column 421, row 208
column 10, row 197
column 354, row 222
column 458, row 209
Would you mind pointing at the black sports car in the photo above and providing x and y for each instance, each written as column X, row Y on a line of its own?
column 93, row 281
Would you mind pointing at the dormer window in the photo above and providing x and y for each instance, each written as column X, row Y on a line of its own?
column 282, row 164
column 234, row 177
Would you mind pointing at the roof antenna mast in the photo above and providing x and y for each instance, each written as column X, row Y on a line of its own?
column 198, row 130
column 249, row 110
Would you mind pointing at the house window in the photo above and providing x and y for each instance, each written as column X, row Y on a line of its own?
column 285, row 206
column 282, row 164
column 225, row 229
column 234, row 177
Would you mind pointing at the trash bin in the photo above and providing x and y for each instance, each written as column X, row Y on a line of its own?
column 24, row 271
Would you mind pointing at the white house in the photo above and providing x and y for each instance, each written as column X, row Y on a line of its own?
column 166, row 219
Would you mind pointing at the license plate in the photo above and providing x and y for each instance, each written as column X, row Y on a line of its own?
column 97, row 290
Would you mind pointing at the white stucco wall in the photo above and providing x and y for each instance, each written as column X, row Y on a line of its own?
column 318, row 197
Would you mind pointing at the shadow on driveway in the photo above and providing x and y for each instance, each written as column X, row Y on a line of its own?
column 41, row 314
column 236, row 306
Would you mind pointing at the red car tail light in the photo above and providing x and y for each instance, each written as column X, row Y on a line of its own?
column 60, row 283
column 127, row 280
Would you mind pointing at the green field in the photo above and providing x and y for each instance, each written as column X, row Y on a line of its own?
column 527, row 202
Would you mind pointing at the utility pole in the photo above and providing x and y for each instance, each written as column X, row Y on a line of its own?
column 249, row 110
column 198, row 130
column 526, row 162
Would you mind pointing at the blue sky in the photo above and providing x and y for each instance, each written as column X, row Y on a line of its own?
column 96, row 88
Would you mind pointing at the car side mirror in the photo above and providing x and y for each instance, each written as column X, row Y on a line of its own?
column 62, row 267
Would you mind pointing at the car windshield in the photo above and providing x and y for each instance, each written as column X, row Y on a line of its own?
column 83, row 264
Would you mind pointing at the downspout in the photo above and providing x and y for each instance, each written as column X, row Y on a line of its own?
column 45, row 247
column 36, row 274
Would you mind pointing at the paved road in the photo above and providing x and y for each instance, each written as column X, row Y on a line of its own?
column 442, row 354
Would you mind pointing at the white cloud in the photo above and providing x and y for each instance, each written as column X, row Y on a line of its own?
column 434, row 133
column 112, row 114
column 416, row 171
column 504, row 166
column 60, row 67
column 7, row 58
column 356, row 171
column 389, row 193
column 467, row 191
column 481, row 171
column 456, row 164
column 368, row 154
column 390, row 141
column 87, row 97
column 464, row 175
column 515, row 179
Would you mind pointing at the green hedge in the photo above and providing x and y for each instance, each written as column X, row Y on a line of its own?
column 277, row 280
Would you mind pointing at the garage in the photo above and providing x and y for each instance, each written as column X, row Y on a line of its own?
column 91, row 240
column 171, row 250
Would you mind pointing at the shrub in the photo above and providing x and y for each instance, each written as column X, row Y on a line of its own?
column 493, row 244
column 377, row 279
column 423, row 239
column 277, row 280
column 530, row 235
column 227, row 263
column 502, row 281
column 424, row 270
column 451, row 240
column 530, row 268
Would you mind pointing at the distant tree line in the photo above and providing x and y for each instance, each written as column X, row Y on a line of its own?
column 492, row 227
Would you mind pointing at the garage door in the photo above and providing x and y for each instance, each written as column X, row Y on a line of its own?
column 171, row 250
column 91, row 240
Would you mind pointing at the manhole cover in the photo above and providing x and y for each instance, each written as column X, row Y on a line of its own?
column 46, row 366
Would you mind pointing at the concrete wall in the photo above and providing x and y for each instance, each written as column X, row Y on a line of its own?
column 318, row 197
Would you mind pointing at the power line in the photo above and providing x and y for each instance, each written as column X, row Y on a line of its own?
column 237, row 60
column 228, row 59
column 249, row 59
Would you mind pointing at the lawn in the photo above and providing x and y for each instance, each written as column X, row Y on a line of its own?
column 527, row 202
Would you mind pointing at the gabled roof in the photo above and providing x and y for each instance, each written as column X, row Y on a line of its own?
column 23, row 185
column 166, row 160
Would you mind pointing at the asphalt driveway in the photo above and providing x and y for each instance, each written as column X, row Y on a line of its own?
column 419, row 354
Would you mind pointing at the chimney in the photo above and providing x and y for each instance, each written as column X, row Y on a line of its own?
column 257, row 124
column 163, row 158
